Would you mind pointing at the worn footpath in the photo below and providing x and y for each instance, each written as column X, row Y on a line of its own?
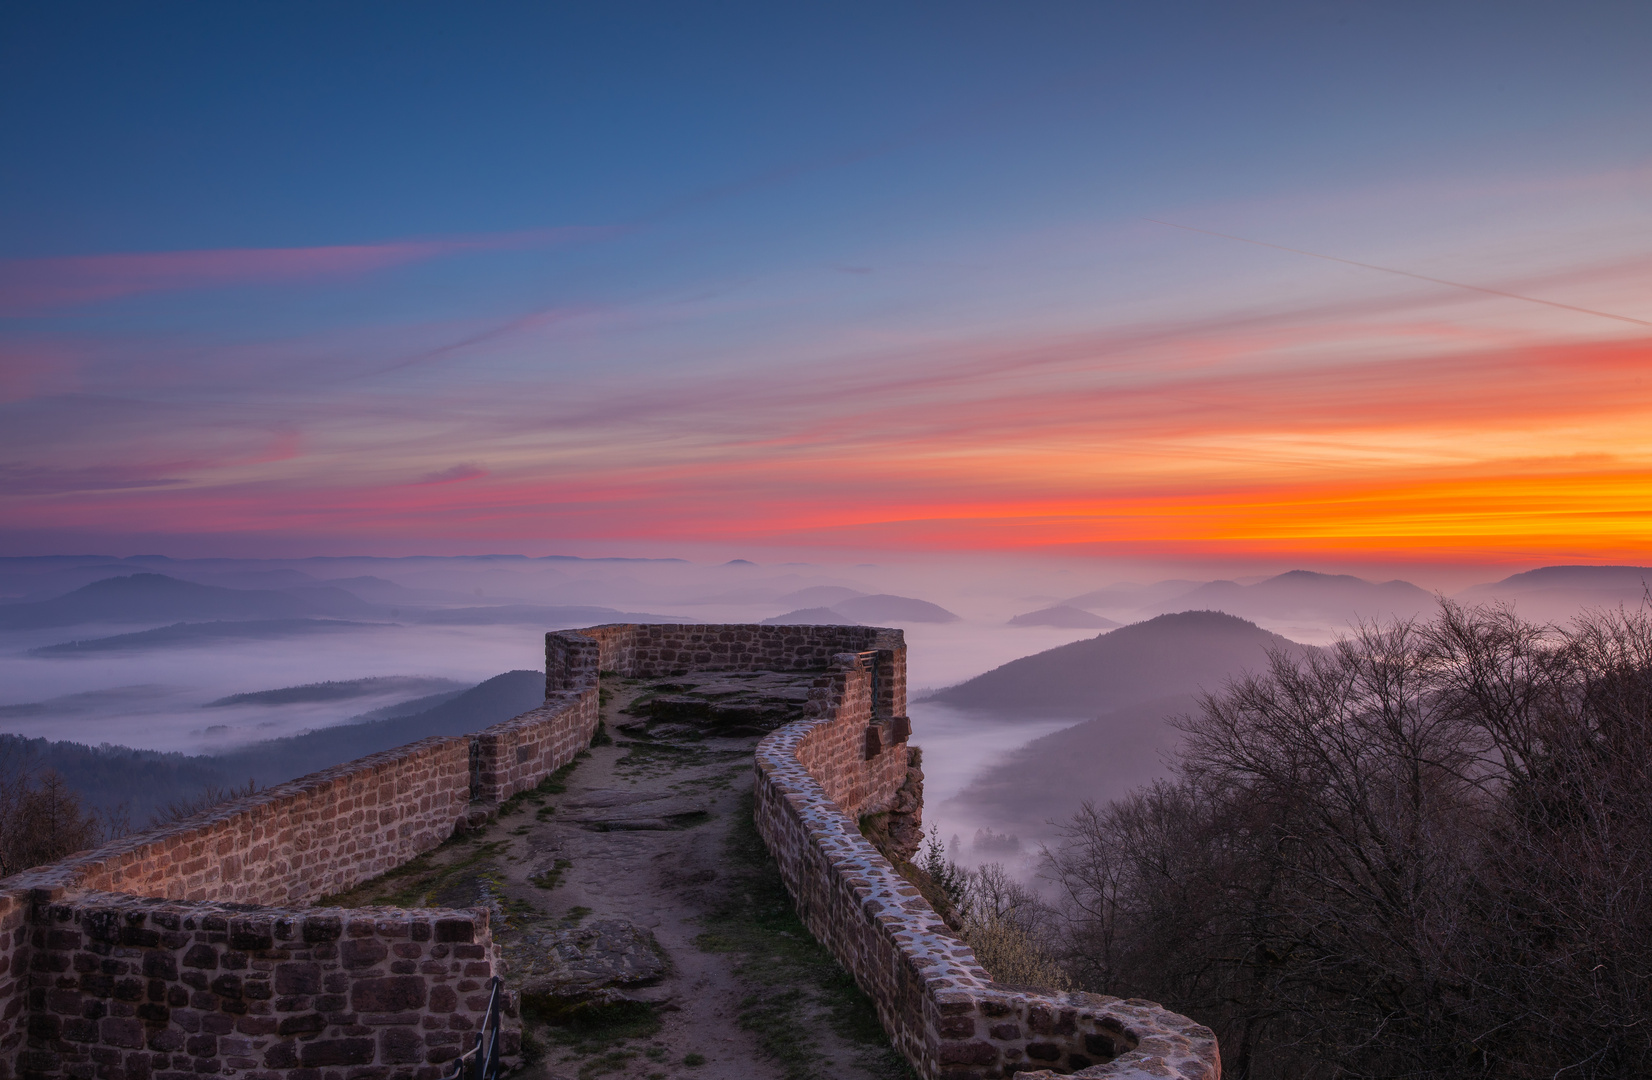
column 643, row 922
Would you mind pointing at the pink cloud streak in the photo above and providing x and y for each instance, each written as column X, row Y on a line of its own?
column 31, row 286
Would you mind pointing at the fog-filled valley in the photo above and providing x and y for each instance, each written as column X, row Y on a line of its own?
column 198, row 659
column 1026, row 699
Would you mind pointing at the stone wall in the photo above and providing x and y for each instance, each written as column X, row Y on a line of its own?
column 518, row 754
column 14, row 958
column 838, row 754
column 144, row 960
column 943, row 1012
column 127, row 987
column 292, row 842
column 573, row 658
column 114, row 940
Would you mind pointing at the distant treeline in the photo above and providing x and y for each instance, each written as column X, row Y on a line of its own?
column 119, row 781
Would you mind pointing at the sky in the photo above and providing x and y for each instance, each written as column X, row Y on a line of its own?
column 1268, row 285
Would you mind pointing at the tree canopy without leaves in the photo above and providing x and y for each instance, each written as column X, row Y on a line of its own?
column 1424, row 851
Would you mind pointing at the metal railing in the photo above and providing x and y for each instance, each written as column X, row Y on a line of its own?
column 481, row 1062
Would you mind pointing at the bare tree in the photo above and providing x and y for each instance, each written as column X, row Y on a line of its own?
column 1421, row 852
column 41, row 817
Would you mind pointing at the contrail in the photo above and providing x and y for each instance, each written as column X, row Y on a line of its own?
column 1409, row 274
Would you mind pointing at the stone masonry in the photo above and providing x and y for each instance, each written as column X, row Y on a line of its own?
column 151, row 958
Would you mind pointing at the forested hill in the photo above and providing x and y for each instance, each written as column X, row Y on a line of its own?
column 1172, row 654
column 107, row 777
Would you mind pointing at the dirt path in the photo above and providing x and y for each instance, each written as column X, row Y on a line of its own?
column 643, row 918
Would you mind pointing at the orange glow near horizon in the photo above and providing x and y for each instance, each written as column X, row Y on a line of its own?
column 1372, row 436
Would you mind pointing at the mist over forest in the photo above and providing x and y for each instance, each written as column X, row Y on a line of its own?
column 215, row 672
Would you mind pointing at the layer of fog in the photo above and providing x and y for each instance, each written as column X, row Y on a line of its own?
column 154, row 698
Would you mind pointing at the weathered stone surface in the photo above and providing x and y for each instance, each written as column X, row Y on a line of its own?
column 601, row 955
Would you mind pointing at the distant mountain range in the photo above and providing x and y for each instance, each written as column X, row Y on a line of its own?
column 1547, row 593
column 197, row 613
column 156, row 598
column 881, row 609
column 1167, row 655
column 1128, row 681
column 1064, row 615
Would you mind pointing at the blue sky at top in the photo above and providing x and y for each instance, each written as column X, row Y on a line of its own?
column 624, row 196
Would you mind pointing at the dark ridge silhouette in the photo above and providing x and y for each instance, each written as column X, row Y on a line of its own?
column 1587, row 577
column 1130, row 597
column 1559, row 593
column 885, row 610
column 488, row 703
column 549, row 618
column 156, row 598
column 1172, row 654
column 814, row 616
column 1065, row 616
column 110, row 777
column 186, row 634
column 1305, row 594
column 819, row 596
column 341, row 690
column 142, row 781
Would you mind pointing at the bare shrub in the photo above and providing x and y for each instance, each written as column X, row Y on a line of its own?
column 1425, row 851
column 41, row 817
column 208, row 797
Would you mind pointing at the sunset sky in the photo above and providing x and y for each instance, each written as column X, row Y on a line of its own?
column 829, row 281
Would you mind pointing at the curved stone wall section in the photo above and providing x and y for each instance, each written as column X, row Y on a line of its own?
column 943, row 1012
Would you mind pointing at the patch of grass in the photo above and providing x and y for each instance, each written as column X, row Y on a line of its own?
column 694, row 1061
column 551, row 878
column 655, row 759
column 602, row 738
column 574, row 914
column 554, row 784
column 611, row 1062
column 591, row 1029
column 796, row 973
column 414, row 883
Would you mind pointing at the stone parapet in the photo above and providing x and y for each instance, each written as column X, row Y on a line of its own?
column 514, row 756
column 573, row 658
column 123, row 986
column 101, row 954
column 943, row 1012
column 147, row 959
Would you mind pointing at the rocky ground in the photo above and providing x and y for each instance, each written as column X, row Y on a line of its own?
column 641, row 917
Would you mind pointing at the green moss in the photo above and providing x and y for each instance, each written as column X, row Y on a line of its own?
column 796, row 974
column 551, row 878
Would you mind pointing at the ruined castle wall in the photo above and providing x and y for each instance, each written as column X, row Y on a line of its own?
column 157, row 990
column 124, row 962
column 14, row 958
column 292, row 842
column 518, row 754
column 942, row 1010
column 854, row 775
column 645, row 651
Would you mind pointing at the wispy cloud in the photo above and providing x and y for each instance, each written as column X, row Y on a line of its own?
column 31, row 286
